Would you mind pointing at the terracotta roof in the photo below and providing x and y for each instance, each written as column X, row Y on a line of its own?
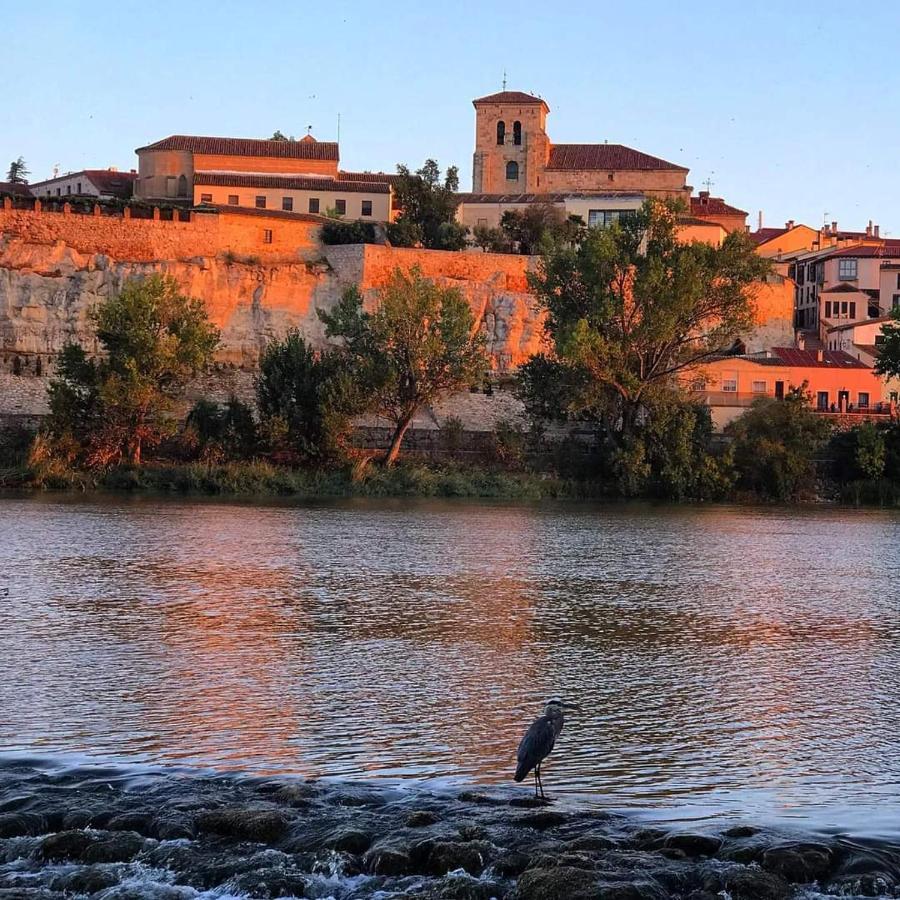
column 843, row 288
column 119, row 183
column 846, row 325
column 510, row 97
column 383, row 177
column 713, row 206
column 885, row 250
column 289, row 182
column 831, row 359
column 247, row 147
column 604, row 156
column 556, row 197
column 693, row 220
column 15, row 187
column 871, row 349
column 763, row 235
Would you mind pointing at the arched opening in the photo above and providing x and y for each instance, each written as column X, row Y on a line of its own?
column 517, row 133
column 512, row 171
column 501, row 132
column 182, row 186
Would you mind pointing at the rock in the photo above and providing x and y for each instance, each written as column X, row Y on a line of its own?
column 387, row 859
column 631, row 890
column 148, row 891
column 421, row 818
column 139, row 822
column 172, row 829
column 561, row 883
column 528, row 802
column 121, row 846
column 800, row 863
column 542, row 820
column 298, row 795
column 591, row 843
column 472, row 831
column 675, row 853
column 259, row 825
column 754, row 884
column 649, row 838
column 480, row 799
column 462, row 887
column 66, row 845
column 21, row 824
column 694, row 844
column 741, row 831
column 77, row 818
column 348, row 840
column 511, row 864
column 870, row 884
column 85, row 880
column 274, row 882
column 448, row 856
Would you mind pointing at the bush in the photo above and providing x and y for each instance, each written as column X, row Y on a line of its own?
column 404, row 233
column 508, row 442
column 336, row 232
column 222, row 431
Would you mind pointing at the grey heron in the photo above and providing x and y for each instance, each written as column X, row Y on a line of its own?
column 538, row 741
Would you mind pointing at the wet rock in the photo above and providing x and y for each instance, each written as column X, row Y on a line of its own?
column 511, row 864
column 741, row 831
column 462, row 887
column 480, row 799
column 85, row 880
column 753, row 884
column 275, row 882
column 546, row 818
column 37, row 893
column 77, row 818
column 147, row 891
column 298, row 795
column 348, row 840
column 694, row 844
column 591, row 843
column 675, row 853
column 800, row 863
column 870, row 884
column 173, row 829
column 139, row 822
column 528, row 802
column 649, row 838
column 66, row 845
column 562, row 883
column 120, row 846
column 421, row 818
column 631, row 890
column 244, row 824
column 448, row 856
column 387, row 859
column 21, row 824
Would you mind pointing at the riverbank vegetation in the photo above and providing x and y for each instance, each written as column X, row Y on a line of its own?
column 631, row 313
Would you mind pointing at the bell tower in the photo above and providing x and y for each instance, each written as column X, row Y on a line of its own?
column 511, row 143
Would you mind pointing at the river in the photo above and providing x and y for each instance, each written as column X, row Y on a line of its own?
column 730, row 662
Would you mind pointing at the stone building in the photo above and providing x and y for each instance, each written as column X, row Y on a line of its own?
column 515, row 164
column 102, row 183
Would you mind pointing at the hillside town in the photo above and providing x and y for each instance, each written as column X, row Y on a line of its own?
column 819, row 313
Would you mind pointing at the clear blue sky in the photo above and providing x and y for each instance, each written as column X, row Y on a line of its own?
column 792, row 109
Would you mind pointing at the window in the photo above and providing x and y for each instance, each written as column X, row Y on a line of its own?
column 896, row 301
column 182, row 186
column 233, row 200
column 78, row 187
column 843, row 307
column 611, row 176
column 58, row 192
column 603, row 217
column 366, row 208
column 287, row 204
column 267, row 236
column 759, row 387
column 314, row 204
column 729, row 385
column 68, row 189
column 206, row 198
column 512, row 171
column 847, row 269
column 822, row 400
column 898, row 282
column 260, row 201
column 827, row 309
column 340, row 207
column 801, row 273
column 852, row 309
column 879, row 340
column 863, row 401
column 501, row 133
column 170, row 185
column 481, row 223
column 517, row 133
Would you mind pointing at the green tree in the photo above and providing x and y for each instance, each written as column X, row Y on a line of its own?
column 228, row 429
column 491, row 240
column 775, row 444
column 420, row 343
column 18, row 172
column 427, row 208
column 281, row 136
column 307, row 396
column 888, row 363
column 154, row 339
column 630, row 310
column 531, row 228
column 871, row 451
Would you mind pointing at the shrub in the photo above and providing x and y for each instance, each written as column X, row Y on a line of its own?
column 337, row 232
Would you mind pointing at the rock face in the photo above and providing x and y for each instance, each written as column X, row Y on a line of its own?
column 48, row 290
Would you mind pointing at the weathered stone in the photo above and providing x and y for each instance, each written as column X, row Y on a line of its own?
column 543, row 819
column 462, row 887
column 754, row 884
column 741, row 831
column 119, row 846
column 800, row 863
column 19, row 824
column 66, row 845
column 244, row 824
column 85, row 880
column 694, row 844
column 348, row 840
column 421, row 818
column 448, row 856
column 591, row 843
column 387, row 859
column 134, row 821
column 274, row 882
column 511, row 864
column 562, row 883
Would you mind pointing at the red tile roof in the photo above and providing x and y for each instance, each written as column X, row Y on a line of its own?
column 763, row 235
column 885, row 250
column 15, row 187
column 383, row 177
column 510, row 97
column 831, row 359
column 604, row 156
column 879, row 320
column 121, row 184
column 290, row 182
column 222, row 146
column 555, row 197
column 713, row 206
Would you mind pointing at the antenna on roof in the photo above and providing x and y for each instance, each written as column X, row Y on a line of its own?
column 339, row 128
column 309, row 129
column 709, row 183
column 504, row 79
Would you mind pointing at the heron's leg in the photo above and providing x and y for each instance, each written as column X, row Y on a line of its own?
column 539, row 781
column 535, row 783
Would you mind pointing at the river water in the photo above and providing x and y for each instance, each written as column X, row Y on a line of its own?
column 730, row 662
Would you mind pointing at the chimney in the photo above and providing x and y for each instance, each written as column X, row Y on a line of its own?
column 876, row 230
column 801, row 341
column 869, row 229
column 820, row 356
column 113, row 169
column 834, row 227
column 704, row 198
column 789, row 224
column 759, row 221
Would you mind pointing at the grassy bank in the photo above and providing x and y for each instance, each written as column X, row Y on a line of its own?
column 262, row 479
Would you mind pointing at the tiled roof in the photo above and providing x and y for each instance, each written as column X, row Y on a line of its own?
column 383, row 177
column 107, row 182
column 289, row 182
column 885, row 250
column 510, row 97
column 871, row 349
column 556, row 197
column 15, row 187
column 713, row 206
column 847, row 325
column 831, row 359
column 222, row 146
column 843, row 288
column 693, row 220
column 605, row 156
column 763, row 235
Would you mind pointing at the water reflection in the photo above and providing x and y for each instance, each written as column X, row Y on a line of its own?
column 723, row 666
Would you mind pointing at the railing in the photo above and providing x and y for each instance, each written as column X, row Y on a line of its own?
column 743, row 399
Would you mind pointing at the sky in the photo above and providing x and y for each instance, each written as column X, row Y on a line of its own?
column 789, row 110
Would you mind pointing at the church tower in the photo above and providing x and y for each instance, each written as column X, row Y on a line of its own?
column 511, row 143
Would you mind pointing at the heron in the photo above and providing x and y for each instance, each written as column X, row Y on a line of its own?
column 538, row 742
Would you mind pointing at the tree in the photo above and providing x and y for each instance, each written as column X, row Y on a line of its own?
column 529, row 229
column 888, row 363
column 154, row 339
column 309, row 396
column 491, row 240
column 420, row 343
column 281, row 136
column 428, row 208
column 18, row 172
column 630, row 310
column 228, row 430
column 775, row 443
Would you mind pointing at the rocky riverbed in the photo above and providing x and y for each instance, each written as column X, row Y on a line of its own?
column 108, row 833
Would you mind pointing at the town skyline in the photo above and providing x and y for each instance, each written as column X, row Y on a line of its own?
column 726, row 120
